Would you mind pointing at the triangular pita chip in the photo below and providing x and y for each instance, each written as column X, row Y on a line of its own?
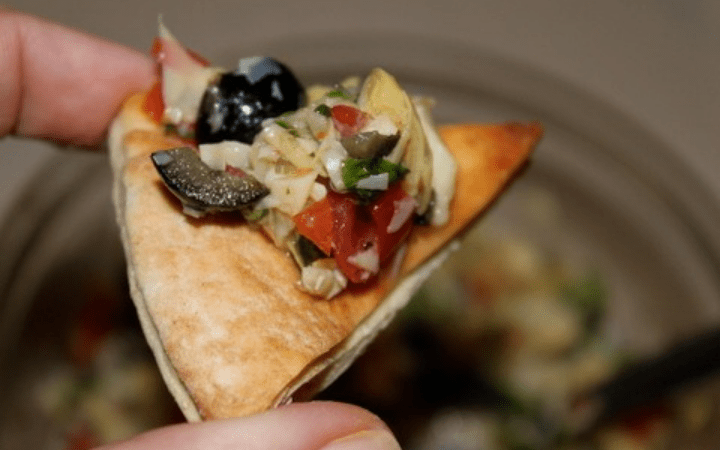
column 218, row 301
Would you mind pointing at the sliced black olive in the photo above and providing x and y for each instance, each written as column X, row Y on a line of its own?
column 369, row 144
column 202, row 189
column 236, row 104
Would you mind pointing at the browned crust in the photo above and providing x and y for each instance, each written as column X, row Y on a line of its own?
column 222, row 298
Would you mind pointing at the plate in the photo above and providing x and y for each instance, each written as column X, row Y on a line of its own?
column 628, row 203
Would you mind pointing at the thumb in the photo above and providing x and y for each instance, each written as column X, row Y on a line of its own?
column 299, row 426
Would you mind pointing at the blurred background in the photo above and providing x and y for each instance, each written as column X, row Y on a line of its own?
column 622, row 201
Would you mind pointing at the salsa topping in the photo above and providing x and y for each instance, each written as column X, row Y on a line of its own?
column 335, row 175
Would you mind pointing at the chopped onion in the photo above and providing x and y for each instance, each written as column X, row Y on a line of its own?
column 287, row 144
column 366, row 259
column 237, row 154
column 267, row 152
column 318, row 192
column 226, row 153
column 322, row 281
column 332, row 157
column 377, row 182
column 382, row 124
column 213, row 156
column 317, row 123
column 403, row 210
column 309, row 146
column 290, row 191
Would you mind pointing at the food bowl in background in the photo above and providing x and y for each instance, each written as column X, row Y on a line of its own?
column 604, row 206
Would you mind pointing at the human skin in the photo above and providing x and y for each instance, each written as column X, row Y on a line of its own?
column 60, row 84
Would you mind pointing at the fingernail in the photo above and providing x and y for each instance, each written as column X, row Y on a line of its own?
column 365, row 440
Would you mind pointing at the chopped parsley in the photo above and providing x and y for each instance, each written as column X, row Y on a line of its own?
column 323, row 109
column 355, row 170
column 288, row 127
column 338, row 94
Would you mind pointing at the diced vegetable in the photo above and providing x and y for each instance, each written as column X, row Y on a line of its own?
column 185, row 78
column 348, row 120
column 316, row 223
column 356, row 170
column 346, row 171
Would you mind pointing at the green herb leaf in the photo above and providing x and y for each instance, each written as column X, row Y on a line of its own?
column 355, row 170
column 323, row 109
column 338, row 94
column 288, row 127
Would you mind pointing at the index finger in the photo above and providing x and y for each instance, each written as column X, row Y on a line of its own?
column 63, row 85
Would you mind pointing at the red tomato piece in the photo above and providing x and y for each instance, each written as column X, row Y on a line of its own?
column 382, row 211
column 154, row 105
column 361, row 227
column 352, row 232
column 341, row 227
column 316, row 223
column 347, row 119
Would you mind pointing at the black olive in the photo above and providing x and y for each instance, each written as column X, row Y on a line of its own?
column 202, row 189
column 236, row 104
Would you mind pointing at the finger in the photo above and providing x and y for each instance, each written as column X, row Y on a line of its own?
column 299, row 426
column 60, row 84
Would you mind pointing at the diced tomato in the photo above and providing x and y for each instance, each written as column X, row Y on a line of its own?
column 347, row 119
column 383, row 210
column 153, row 104
column 352, row 233
column 316, row 223
column 342, row 227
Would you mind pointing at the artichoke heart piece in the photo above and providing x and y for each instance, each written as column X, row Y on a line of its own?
column 202, row 189
column 382, row 94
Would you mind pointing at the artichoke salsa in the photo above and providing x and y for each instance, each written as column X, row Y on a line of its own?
column 336, row 175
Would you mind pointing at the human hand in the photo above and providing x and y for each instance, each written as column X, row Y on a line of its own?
column 299, row 426
column 64, row 86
